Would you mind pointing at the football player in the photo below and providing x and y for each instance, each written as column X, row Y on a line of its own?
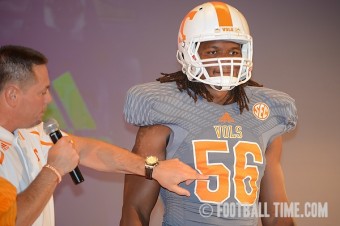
column 212, row 116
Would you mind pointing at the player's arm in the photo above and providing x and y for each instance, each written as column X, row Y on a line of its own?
column 273, row 187
column 140, row 194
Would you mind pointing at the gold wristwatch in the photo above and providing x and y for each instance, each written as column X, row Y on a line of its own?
column 150, row 163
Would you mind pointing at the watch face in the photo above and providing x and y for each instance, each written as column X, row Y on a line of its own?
column 151, row 160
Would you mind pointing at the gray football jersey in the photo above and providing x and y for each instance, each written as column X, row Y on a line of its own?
column 218, row 141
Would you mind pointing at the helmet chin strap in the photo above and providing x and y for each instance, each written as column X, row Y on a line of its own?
column 222, row 88
column 216, row 83
column 223, row 83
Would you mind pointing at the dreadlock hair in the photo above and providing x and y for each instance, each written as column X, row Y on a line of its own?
column 195, row 89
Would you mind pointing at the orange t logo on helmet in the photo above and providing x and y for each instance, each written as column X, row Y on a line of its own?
column 189, row 16
column 222, row 12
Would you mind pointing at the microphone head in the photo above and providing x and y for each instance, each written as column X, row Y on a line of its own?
column 50, row 126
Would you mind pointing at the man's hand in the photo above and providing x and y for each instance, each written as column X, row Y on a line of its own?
column 63, row 156
column 170, row 173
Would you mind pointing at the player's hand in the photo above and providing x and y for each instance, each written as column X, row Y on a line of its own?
column 170, row 173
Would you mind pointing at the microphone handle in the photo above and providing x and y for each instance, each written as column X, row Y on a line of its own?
column 75, row 174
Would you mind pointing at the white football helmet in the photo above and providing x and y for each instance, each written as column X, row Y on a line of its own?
column 208, row 22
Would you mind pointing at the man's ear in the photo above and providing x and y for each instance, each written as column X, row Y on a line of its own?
column 11, row 93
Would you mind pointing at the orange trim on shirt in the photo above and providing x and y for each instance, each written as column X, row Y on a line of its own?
column 46, row 143
column 21, row 136
column 35, row 132
column 2, row 157
column 9, row 144
column 5, row 145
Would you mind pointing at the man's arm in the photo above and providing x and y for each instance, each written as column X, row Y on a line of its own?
column 32, row 201
column 272, row 185
column 110, row 158
column 140, row 194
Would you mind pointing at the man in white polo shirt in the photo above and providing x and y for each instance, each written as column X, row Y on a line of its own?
column 30, row 161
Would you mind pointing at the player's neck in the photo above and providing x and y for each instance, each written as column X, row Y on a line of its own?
column 220, row 97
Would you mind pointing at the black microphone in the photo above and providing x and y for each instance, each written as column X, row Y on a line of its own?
column 51, row 127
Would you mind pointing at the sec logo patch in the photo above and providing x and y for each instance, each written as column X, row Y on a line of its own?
column 261, row 111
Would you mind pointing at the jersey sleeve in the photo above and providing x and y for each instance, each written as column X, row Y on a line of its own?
column 285, row 109
column 140, row 104
column 292, row 116
column 283, row 114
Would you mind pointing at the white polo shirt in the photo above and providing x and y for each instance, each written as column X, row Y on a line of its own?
column 22, row 156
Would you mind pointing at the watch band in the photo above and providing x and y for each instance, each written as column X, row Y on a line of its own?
column 150, row 163
column 148, row 172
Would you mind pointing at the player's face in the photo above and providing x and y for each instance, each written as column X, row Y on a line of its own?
column 220, row 49
column 34, row 98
